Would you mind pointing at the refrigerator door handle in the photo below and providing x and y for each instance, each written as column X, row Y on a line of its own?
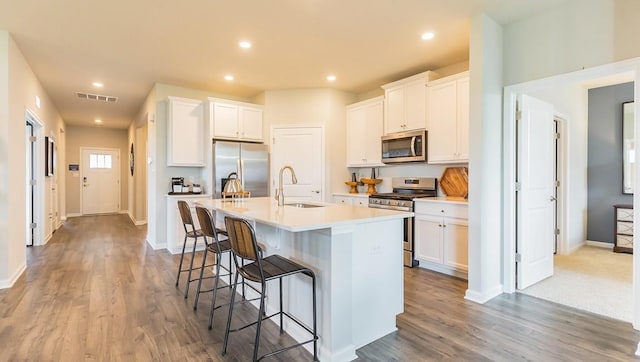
column 241, row 169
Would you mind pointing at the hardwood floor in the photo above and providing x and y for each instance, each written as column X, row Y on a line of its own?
column 97, row 291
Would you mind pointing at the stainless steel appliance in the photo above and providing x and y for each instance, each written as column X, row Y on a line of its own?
column 250, row 162
column 408, row 146
column 405, row 189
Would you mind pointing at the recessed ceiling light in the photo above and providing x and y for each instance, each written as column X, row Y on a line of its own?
column 331, row 78
column 228, row 77
column 98, row 121
column 98, row 84
column 245, row 44
column 427, row 36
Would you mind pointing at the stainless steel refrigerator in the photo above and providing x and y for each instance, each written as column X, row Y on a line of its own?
column 250, row 161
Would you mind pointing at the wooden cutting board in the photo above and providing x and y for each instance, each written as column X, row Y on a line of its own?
column 455, row 182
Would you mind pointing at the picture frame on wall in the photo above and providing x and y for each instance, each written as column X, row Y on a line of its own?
column 49, row 156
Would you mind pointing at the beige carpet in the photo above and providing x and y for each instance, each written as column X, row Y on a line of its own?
column 592, row 279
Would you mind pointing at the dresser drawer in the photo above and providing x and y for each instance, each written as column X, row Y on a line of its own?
column 624, row 241
column 624, row 227
column 624, row 214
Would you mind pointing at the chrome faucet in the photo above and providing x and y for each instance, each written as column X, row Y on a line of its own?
column 279, row 191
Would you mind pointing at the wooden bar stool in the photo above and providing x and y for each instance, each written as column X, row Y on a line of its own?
column 261, row 270
column 216, row 247
column 190, row 232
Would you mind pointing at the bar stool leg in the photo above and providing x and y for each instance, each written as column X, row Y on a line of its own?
column 281, row 328
column 259, row 324
column 204, row 260
column 184, row 245
column 315, row 326
column 193, row 256
column 226, row 332
column 215, row 291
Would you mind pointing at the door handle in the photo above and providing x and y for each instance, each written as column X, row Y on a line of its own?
column 552, row 198
column 413, row 146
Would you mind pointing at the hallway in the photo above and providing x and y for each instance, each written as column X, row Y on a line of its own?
column 97, row 291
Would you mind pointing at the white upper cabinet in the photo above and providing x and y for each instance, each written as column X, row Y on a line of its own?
column 364, row 129
column 185, row 132
column 448, row 119
column 236, row 121
column 405, row 104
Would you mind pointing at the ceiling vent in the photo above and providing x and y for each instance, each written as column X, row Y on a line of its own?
column 97, row 97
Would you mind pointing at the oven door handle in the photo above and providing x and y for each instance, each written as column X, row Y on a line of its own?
column 388, row 207
column 413, row 146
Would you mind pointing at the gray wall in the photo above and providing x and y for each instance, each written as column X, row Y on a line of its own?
column 604, row 172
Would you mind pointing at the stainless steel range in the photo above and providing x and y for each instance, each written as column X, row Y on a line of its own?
column 405, row 189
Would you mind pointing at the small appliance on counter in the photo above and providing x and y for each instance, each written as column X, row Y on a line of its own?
column 177, row 184
column 196, row 189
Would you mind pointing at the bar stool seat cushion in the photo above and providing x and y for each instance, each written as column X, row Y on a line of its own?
column 194, row 233
column 225, row 245
column 274, row 266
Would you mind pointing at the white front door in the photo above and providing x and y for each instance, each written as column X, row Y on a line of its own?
column 301, row 148
column 100, row 181
column 535, row 196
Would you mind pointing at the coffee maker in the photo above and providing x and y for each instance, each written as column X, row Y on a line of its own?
column 177, row 183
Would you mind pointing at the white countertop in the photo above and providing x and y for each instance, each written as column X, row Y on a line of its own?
column 265, row 210
column 451, row 200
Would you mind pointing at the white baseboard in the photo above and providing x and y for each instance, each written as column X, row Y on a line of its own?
column 444, row 269
column 137, row 222
column 155, row 246
column 482, row 297
column 8, row 283
column 600, row 244
column 63, row 218
column 123, row 212
column 73, row 215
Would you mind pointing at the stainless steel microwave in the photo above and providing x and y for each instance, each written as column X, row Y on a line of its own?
column 408, row 146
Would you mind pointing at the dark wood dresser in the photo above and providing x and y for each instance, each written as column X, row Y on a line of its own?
column 623, row 238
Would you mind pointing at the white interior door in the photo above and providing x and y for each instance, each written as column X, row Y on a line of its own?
column 535, row 196
column 301, row 148
column 100, row 182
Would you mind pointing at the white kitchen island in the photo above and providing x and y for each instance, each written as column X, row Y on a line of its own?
column 356, row 253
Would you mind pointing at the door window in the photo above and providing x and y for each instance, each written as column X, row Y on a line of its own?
column 97, row 160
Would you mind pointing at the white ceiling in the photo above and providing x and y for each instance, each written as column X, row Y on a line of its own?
column 132, row 44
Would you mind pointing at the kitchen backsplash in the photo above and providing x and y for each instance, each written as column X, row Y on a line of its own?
column 402, row 170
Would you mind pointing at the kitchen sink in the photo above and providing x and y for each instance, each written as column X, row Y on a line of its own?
column 303, row 205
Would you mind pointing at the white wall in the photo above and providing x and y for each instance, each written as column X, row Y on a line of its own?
column 485, row 155
column 18, row 89
column 576, row 35
column 316, row 106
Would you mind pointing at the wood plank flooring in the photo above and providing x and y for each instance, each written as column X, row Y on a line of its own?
column 97, row 291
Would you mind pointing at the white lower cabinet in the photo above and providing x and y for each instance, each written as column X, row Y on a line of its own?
column 175, row 230
column 441, row 237
column 351, row 199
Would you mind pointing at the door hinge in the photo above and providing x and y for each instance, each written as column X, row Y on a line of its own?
column 33, row 225
column 556, row 231
column 518, row 186
column 32, row 182
column 274, row 140
column 556, row 183
column 518, row 115
column 32, row 139
column 518, row 257
column 557, row 135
